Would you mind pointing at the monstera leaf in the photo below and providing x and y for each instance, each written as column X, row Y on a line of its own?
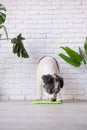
column 73, row 54
column 2, row 14
column 85, row 45
column 2, row 19
column 73, row 57
column 84, row 55
column 18, row 47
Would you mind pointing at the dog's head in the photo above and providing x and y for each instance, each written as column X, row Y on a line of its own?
column 52, row 85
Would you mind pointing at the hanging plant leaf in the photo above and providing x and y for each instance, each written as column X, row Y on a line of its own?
column 73, row 54
column 18, row 47
column 2, row 8
column 73, row 57
column 2, row 14
column 85, row 45
column 69, row 60
column 84, row 55
column 2, row 19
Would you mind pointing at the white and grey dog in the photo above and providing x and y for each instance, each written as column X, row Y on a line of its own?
column 48, row 78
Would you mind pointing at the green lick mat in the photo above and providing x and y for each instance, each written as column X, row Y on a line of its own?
column 46, row 102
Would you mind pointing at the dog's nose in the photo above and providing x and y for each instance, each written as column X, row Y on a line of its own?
column 53, row 100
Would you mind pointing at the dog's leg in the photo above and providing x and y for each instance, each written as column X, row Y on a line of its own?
column 59, row 97
column 39, row 90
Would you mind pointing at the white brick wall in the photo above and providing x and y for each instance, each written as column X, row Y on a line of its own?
column 46, row 25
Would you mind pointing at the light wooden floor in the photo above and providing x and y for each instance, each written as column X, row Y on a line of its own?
column 23, row 115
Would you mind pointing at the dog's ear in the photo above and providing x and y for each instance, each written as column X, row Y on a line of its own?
column 48, row 79
column 60, row 80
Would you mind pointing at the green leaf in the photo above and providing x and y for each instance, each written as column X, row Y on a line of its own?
column 85, row 45
column 20, row 37
column 84, row 61
column 84, row 55
column 2, row 8
column 2, row 17
column 18, row 47
column 73, row 54
column 70, row 61
column 14, row 41
column 2, row 14
column 15, row 49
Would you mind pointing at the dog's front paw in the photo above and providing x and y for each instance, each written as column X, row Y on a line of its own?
column 38, row 99
column 61, row 100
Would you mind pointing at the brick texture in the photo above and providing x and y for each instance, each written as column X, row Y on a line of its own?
column 46, row 25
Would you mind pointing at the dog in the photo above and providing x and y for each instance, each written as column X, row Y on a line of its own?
column 48, row 78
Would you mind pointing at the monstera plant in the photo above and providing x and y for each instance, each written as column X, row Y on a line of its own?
column 18, row 47
column 75, row 58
